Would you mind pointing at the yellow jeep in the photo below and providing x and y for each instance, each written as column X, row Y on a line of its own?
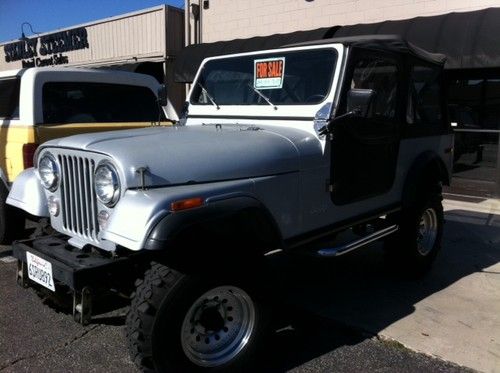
column 40, row 104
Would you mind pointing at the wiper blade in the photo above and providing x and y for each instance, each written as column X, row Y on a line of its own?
column 208, row 95
column 263, row 96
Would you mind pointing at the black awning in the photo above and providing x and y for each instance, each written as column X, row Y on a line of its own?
column 469, row 39
column 391, row 42
column 190, row 58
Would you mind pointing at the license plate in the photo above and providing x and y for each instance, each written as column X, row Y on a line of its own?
column 40, row 271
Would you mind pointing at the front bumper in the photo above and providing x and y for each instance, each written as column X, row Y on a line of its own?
column 85, row 273
column 79, row 269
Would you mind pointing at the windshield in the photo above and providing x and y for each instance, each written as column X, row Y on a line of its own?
column 281, row 78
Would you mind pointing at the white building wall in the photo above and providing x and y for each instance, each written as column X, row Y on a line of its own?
column 232, row 19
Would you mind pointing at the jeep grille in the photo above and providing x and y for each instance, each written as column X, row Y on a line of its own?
column 79, row 205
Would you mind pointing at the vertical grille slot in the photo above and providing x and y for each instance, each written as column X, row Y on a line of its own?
column 79, row 204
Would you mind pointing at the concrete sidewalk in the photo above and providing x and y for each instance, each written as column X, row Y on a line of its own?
column 461, row 322
column 452, row 313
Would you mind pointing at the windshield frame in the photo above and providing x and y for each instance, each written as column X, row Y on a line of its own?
column 305, row 111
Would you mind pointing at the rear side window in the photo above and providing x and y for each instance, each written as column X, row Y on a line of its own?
column 9, row 98
column 80, row 102
column 425, row 97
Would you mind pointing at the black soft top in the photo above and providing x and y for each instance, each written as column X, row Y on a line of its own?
column 382, row 42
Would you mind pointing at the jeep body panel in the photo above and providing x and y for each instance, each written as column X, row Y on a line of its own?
column 27, row 194
column 208, row 153
column 152, row 206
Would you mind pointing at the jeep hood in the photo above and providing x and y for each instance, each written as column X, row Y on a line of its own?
column 195, row 154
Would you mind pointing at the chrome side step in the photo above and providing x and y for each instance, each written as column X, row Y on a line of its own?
column 344, row 249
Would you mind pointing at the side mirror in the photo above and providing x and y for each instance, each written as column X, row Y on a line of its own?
column 162, row 95
column 360, row 101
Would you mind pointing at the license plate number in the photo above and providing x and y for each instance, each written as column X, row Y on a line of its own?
column 40, row 271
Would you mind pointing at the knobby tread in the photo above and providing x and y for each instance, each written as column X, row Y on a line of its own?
column 150, row 291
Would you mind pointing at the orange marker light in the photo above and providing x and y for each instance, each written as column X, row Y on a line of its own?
column 186, row 204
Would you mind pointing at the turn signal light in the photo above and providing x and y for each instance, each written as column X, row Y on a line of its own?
column 186, row 204
column 28, row 154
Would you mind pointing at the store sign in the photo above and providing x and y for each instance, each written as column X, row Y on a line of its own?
column 47, row 50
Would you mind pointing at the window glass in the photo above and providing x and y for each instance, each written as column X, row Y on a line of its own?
column 9, row 98
column 304, row 78
column 491, row 108
column 475, row 103
column 424, row 105
column 80, row 102
column 379, row 75
column 464, row 102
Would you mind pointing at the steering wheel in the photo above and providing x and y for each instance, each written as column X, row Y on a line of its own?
column 317, row 97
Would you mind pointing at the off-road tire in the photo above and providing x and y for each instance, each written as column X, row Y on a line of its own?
column 158, row 308
column 402, row 249
column 12, row 220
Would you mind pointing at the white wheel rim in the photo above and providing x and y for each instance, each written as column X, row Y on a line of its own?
column 427, row 231
column 218, row 326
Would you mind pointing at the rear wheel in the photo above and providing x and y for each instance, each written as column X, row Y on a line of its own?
column 180, row 322
column 415, row 246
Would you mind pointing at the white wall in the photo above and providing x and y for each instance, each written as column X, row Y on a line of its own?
column 232, row 19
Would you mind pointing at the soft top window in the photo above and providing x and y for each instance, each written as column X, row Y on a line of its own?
column 282, row 78
column 381, row 75
column 81, row 102
column 9, row 98
column 424, row 104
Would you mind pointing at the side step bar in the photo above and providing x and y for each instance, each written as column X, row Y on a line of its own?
column 344, row 249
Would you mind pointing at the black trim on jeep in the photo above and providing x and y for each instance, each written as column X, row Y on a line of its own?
column 234, row 224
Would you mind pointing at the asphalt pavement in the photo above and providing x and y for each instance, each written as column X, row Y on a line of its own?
column 36, row 338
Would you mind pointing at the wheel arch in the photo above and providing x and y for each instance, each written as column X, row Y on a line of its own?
column 426, row 166
column 239, row 228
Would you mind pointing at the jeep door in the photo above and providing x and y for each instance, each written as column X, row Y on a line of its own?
column 365, row 145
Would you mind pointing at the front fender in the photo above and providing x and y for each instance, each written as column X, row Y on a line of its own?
column 27, row 194
column 139, row 211
column 236, row 223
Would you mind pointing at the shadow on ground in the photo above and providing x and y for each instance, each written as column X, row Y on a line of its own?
column 361, row 289
column 319, row 299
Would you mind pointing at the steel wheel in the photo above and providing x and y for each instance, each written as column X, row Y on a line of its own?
column 427, row 231
column 218, row 326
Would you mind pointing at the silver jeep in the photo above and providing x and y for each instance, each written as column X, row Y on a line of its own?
column 275, row 151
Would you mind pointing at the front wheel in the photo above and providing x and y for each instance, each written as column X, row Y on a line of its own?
column 415, row 246
column 180, row 323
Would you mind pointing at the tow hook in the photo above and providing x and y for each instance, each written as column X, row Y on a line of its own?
column 22, row 274
column 82, row 306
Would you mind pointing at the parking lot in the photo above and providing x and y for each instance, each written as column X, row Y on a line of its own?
column 351, row 314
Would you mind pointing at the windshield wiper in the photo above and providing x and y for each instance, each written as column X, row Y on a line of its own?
column 208, row 95
column 263, row 96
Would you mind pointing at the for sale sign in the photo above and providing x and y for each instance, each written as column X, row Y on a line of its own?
column 269, row 73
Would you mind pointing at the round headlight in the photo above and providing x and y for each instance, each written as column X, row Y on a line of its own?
column 48, row 169
column 107, row 184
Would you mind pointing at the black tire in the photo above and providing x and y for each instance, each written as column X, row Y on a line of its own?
column 407, row 252
column 12, row 220
column 155, row 322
